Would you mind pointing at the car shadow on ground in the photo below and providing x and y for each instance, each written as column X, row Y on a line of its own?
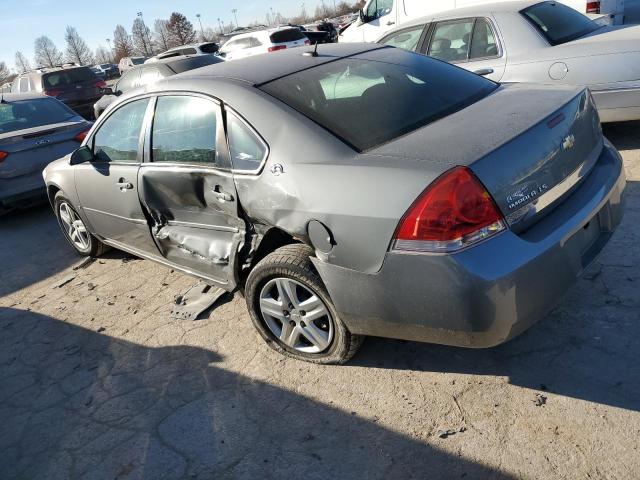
column 79, row 404
column 32, row 248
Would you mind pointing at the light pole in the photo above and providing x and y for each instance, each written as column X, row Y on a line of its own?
column 235, row 14
column 110, row 50
column 145, row 36
column 220, row 25
column 201, row 29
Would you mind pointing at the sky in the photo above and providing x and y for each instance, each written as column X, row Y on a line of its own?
column 22, row 21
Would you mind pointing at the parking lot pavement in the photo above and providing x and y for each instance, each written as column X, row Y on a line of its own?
column 96, row 381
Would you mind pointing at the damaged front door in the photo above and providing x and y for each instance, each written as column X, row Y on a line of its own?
column 188, row 190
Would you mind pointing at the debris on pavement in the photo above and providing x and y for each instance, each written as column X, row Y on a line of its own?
column 450, row 432
column 540, row 400
column 84, row 263
column 62, row 282
column 195, row 301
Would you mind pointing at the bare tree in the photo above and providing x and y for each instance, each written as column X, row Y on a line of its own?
column 209, row 35
column 122, row 43
column 77, row 50
column 180, row 29
column 141, row 38
column 162, row 36
column 46, row 52
column 102, row 55
column 4, row 72
column 22, row 62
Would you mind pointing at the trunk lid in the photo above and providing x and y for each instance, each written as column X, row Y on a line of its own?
column 33, row 149
column 530, row 145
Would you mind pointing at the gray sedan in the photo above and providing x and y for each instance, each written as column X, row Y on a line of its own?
column 365, row 190
column 538, row 42
column 34, row 131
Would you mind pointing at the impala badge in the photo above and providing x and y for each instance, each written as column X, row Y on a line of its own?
column 568, row 142
column 42, row 142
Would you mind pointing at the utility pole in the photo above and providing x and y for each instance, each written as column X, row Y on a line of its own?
column 201, row 29
column 110, row 50
column 235, row 14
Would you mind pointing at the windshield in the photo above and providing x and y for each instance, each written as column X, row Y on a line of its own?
column 558, row 23
column 63, row 78
column 24, row 114
column 374, row 97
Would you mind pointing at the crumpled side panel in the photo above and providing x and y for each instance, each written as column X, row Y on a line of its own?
column 191, row 242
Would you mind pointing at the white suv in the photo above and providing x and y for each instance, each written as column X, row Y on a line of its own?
column 262, row 41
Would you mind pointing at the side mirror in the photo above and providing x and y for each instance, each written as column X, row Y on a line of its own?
column 363, row 16
column 107, row 91
column 81, row 155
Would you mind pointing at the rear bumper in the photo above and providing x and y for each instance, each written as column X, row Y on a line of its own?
column 21, row 190
column 618, row 102
column 487, row 294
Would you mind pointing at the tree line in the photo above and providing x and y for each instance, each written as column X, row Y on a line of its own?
column 142, row 41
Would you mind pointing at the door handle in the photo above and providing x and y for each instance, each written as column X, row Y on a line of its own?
column 389, row 23
column 484, row 71
column 221, row 194
column 123, row 185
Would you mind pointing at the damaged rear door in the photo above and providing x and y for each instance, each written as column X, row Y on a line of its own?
column 187, row 187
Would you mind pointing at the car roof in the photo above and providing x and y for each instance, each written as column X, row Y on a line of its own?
column 15, row 97
column 263, row 68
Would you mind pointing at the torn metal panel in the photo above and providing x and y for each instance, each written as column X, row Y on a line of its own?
column 196, row 300
column 199, row 244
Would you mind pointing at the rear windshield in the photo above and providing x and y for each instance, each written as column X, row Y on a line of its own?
column 137, row 61
column 288, row 35
column 186, row 64
column 209, row 48
column 372, row 98
column 559, row 23
column 63, row 78
column 25, row 114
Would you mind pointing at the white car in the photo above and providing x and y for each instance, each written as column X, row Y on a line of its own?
column 381, row 16
column 204, row 48
column 535, row 42
column 262, row 41
column 127, row 63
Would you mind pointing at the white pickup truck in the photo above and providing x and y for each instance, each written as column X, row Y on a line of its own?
column 379, row 16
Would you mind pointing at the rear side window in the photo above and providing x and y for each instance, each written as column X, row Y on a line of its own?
column 63, row 78
column 247, row 150
column 483, row 41
column 558, row 23
column 407, row 39
column 118, row 137
column 24, row 84
column 188, row 51
column 288, row 35
column 25, row 114
column 372, row 98
column 184, row 130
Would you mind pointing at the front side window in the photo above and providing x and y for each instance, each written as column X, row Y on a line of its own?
column 451, row 40
column 184, row 130
column 558, row 23
column 118, row 138
column 379, row 8
column 407, row 39
column 376, row 96
column 247, row 150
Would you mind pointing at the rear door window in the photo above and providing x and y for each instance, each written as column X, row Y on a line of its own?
column 185, row 130
column 451, row 40
column 558, row 23
column 118, row 138
column 407, row 39
column 483, row 41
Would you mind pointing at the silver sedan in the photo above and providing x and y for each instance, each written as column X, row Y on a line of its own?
column 359, row 190
column 537, row 42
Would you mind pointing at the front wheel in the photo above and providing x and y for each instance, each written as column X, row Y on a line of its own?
column 74, row 229
column 291, row 309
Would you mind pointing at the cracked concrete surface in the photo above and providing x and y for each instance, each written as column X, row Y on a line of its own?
column 96, row 381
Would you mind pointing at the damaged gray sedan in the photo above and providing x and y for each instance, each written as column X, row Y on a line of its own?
column 362, row 190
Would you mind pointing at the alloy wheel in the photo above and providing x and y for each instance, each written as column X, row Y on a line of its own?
column 296, row 315
column 74, row 227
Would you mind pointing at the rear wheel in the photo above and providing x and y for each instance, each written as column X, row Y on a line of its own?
column 291, row 309
column 74, row 228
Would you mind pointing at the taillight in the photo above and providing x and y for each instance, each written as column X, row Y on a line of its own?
column 101, row 84
column 454, row 212
column 307, row 42
column 81, row 136
column 3, row 155
column 593, row 7
column 277, row 47
column 52, row 93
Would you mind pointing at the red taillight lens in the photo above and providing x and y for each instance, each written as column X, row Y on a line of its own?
column 307, row 42
column 3, row 155
column 277, row 47
column 81, row 136
column 593, row 7
column 52, row 93
column 452, row 213
column 101, row 84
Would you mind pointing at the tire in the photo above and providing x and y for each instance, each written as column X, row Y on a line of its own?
column 289, row 269
column 89, row 246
